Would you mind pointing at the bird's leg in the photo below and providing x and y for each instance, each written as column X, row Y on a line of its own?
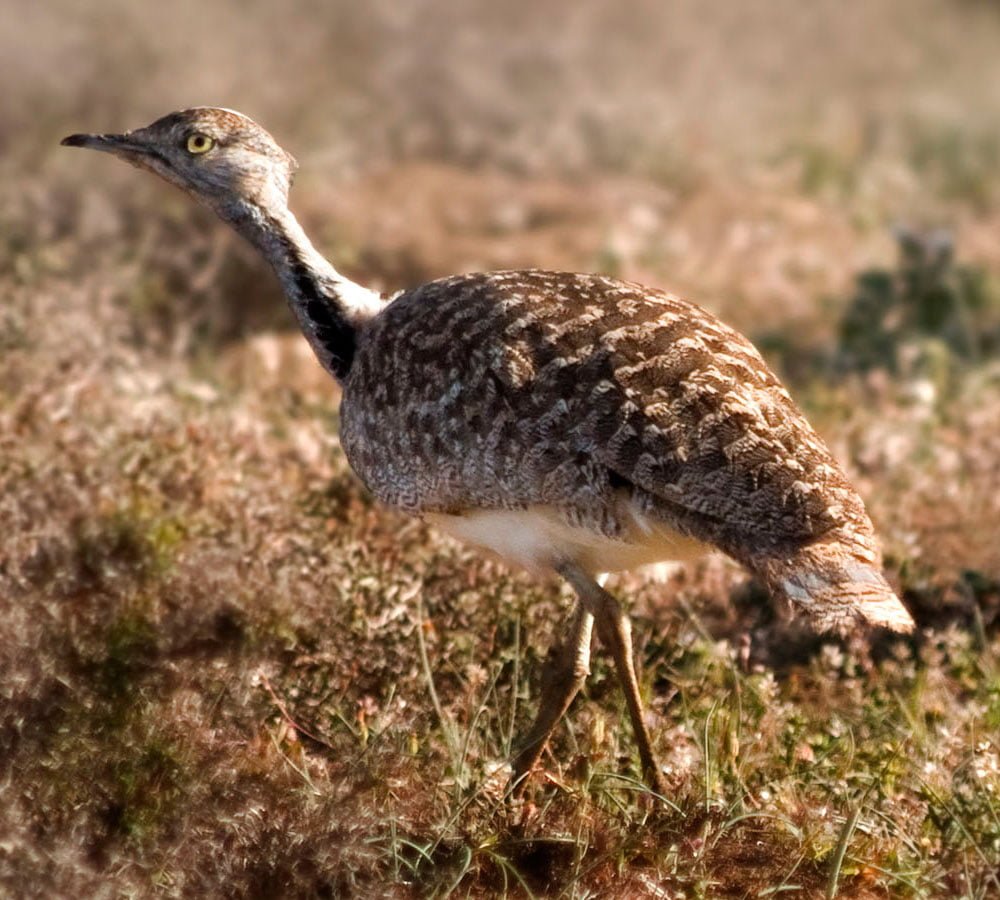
column 615, row 632
column 563, row 675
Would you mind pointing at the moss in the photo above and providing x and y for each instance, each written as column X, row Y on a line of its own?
column 130, row 538
column 148, row 786
column 129, row 648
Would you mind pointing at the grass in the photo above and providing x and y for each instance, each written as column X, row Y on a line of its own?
column 224, row 664
column 225, row 671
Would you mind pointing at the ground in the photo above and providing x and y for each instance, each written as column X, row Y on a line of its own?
column 225, row 671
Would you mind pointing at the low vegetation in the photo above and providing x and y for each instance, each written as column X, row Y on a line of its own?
column 224, row 671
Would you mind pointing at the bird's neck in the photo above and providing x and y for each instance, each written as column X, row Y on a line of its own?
column 330, row 308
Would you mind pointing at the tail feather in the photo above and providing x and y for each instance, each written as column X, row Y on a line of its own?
column 837, row 590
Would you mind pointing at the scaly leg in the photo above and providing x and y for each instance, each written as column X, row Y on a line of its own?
column 615, row 632
column 562, row 676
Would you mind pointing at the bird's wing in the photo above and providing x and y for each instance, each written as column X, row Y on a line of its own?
column 716, row 444
column 513, row 388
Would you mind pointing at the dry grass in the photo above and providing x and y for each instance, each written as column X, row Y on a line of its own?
column 218, row 658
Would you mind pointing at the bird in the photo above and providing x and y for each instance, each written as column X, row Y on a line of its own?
column 572, row 424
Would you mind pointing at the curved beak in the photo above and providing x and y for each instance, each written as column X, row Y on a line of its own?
column 109, row 143
column 133, row 150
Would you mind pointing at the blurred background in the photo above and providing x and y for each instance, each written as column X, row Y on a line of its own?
column 825, row 176
column 754, row 154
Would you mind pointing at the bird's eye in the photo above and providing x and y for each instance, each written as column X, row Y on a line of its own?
column 199, row 143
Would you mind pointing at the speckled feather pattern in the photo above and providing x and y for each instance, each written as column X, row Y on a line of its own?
column 556, row 418
column 570, row 423
column 508, row 389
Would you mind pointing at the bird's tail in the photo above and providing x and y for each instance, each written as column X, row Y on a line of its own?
column 837, row 588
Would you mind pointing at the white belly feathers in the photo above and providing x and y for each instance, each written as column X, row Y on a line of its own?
column 539, row 539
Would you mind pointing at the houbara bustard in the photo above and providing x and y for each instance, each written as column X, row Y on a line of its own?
column 573, row 424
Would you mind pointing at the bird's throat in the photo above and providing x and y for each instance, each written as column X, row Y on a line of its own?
column 330, row 308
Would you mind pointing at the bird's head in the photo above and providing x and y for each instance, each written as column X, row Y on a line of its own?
column 219, row 156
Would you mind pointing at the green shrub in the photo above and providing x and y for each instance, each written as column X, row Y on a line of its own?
column 929, row 316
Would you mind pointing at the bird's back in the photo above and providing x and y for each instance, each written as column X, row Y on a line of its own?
column 598, row 399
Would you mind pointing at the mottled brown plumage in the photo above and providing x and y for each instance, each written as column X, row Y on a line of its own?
column 600, row 398
column 572, row 423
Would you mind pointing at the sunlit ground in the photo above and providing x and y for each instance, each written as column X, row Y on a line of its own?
column 223, row 670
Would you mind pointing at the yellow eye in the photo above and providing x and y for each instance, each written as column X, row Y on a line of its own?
column 199, row 143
